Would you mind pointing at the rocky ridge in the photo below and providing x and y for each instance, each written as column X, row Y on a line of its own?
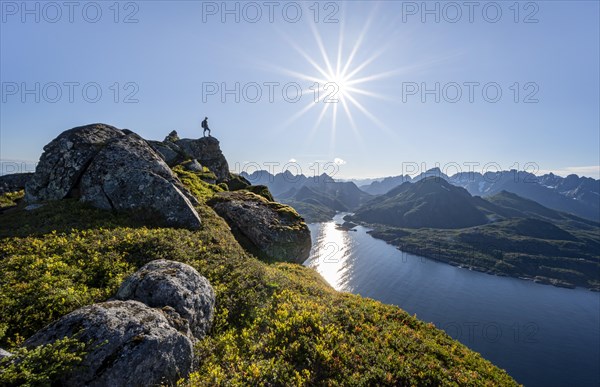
column 205, row 150
column 111, row 169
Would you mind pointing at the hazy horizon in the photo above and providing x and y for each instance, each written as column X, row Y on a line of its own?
column 512, row 86
column 22, row 166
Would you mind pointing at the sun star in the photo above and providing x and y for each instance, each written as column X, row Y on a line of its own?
column 338, row 83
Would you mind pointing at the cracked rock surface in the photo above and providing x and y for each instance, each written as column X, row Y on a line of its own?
column 163, row 283
column 111, row 169
column 146, row 337
column 275, row 229
column 131, row 344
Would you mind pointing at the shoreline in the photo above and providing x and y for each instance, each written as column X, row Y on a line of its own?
column 424, row 253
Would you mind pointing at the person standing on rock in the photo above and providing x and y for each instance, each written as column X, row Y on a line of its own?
column 205, row 127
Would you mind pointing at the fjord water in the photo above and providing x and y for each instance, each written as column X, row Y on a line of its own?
column 540, row 334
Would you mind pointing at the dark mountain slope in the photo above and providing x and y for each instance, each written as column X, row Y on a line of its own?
column 579, row 196
column 503, row 234
column 431, row 202
column 315, row 198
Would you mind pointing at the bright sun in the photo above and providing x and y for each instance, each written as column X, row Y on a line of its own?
column 338, row 83
column 342, row 84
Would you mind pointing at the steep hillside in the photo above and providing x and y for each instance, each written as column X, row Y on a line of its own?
column 314, row 206
column 430, row 202
column 385, row 185
column 312, row 196
column 274, row 322
column 582, row 200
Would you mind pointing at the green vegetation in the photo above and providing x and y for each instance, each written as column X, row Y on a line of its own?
column 205, row 174
column 261, row 190
column 194, row 181
column 236, row 182
column 504, row 234
column 276, row 323
column 512, row 247
column 246, row 195
column 43, row 365
column 9, row 199
column 306, row 335
column 47, row 276
column 431, row 202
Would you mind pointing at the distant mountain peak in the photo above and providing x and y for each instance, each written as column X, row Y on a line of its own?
column 571, row 194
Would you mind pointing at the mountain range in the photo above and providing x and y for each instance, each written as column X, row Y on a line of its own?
column 318, row 198
column 573, row 194
column 315, row 198
column 502, row 234
column 505, row 223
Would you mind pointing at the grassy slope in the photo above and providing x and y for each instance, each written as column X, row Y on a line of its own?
column 8, row 199
column 275, row 323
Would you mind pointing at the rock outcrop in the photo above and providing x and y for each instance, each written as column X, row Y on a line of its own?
column 144, row 338
column 261, row 190
column 128, row 174
column 208, row 152
column 129, row 344
column 237, row 182
column 163, row 283
column 193, row 166
column 275, row 229
column 111, row 169
column 169, row 152
column 205, row 150
column 65, row 159
column 14, row 182
column 172, row 137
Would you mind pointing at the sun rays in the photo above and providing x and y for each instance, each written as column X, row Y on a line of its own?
column 339, row 82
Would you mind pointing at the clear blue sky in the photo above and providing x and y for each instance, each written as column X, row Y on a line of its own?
column 175, row 50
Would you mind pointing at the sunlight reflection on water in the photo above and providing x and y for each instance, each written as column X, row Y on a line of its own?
column 564, row 349
column 329, row 255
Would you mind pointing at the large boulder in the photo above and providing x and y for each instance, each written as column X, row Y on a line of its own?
column 65, row 159
column 274, row 228
column 163, row 283
column 208, row 152
column 237, row 182
column 130, row 344
column 111, row 169
column 128, row 174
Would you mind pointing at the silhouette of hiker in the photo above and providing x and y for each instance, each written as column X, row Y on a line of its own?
column 205, row 127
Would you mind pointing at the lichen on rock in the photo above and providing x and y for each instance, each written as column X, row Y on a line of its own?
column 163, row 283
column 65, row 159
column 110, row 169
column 130, row 344
column 127, row 174
column 276, row 230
